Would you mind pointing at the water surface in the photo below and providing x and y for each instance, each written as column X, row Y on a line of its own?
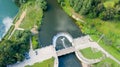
column 8, row 10
column 56, row 20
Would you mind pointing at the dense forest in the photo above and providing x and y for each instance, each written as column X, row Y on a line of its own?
column 13, row 50
column 95, row 8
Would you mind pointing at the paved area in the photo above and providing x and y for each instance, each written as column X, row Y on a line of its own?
column 42, row 54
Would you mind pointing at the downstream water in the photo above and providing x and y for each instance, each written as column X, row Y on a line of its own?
column 8, row 10
column 56, row 20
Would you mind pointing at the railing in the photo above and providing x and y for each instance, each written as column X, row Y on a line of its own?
column 65, row 51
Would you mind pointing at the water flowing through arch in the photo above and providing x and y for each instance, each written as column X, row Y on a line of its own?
column 64, row 34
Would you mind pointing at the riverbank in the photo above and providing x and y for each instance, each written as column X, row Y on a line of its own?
column 20, row 19
column 16, row 25
column 84, row 25
column 17, row 35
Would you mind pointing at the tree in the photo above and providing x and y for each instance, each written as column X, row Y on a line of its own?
column 108, row 14
column 71, row 3
column 13, row 50
column 43, row 4
column 59, row 1
column 20, row 2
column 99, row 9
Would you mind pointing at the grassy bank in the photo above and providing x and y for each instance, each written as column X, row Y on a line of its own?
column 35, row 43
column 8, row 32
column 33, row 18
column 96, row 27
column 33, row 15
column 46, row 63
column 91, row 53
column 107, row 62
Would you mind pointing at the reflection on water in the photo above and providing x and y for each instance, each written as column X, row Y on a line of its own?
column 8, row 10
column 55, row 21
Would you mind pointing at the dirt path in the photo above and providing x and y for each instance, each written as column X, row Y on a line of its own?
column 20, row 20
column 17, row 24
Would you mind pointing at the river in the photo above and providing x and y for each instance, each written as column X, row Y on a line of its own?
column 8, row 10
column 55, row 20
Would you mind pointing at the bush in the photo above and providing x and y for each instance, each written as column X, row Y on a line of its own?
column 12, row 51
column 35, row 41
column 108, row 14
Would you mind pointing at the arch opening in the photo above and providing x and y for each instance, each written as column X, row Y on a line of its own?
column 62, row 41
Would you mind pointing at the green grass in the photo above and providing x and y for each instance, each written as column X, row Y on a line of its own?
column 9, row 32
column 35, row 43
column 106, row 47
column 33, row 16
column 91, row 53
column 110, row 29
column 110, row 3
column 13, row 37
column 106, row 63
column 67, row 8
column 46, row 63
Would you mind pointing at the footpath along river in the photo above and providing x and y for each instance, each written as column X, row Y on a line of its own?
column 55, row 20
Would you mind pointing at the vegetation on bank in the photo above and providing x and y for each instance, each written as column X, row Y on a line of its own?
column 42, row 3
column 97, row 27
column 8, row 32
column 46, row 63
column 95, row 8
column 35, row 43
column 107, row 62
column 91, row 53
column 13, row 50
column 20, row 2
column 34, row 13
